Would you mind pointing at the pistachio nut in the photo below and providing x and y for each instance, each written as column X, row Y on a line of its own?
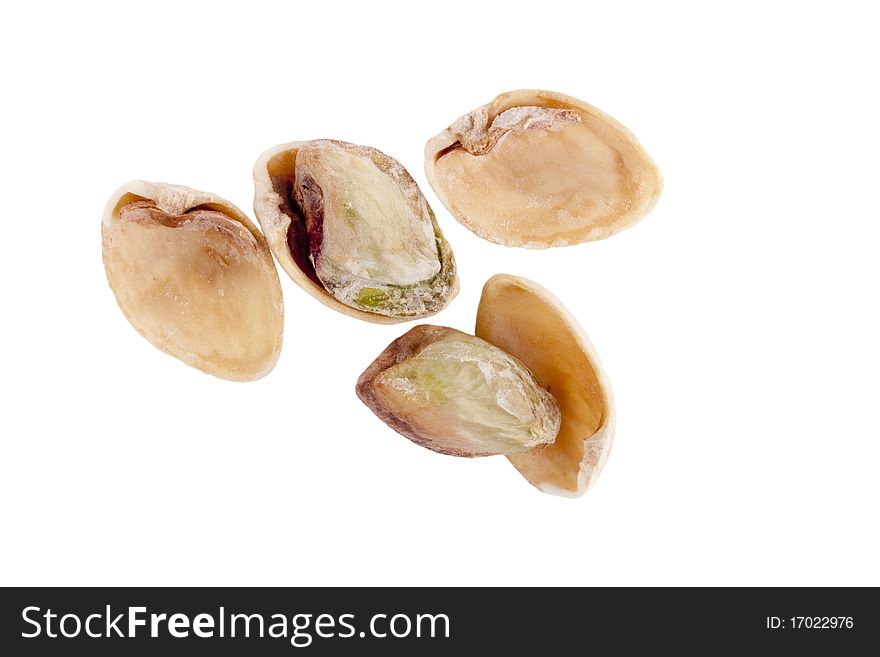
column 457, row 394
column 528, row 322
column 538, row 169
column 350, row 225
column 195, row 277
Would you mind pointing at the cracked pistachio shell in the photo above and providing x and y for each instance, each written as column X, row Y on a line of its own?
column 525, row 320
column 350, row 226
column 538, row 169
column 456, row 394
column 195, row 277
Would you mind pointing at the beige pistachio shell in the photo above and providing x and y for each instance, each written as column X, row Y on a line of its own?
column 538, row 169
column 195, row 277
column 278, row 209
column 528, row 322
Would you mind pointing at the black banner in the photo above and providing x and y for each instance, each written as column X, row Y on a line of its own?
column 432, row 621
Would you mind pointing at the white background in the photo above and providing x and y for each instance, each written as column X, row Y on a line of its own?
column 738, row 322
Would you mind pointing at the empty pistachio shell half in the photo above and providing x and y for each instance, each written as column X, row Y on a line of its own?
column 456, row 394
column 526, row 321
column 194, row 277
column 350, row 226
column 538, row 169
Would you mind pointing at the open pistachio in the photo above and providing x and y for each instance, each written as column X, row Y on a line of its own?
column 528, row 322
column 457, row 394
column 529, row 386
column 349, row 225
column 538, row 169
column 195, row 277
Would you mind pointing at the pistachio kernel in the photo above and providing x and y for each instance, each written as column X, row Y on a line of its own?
column 457, row 394
column 348, row 223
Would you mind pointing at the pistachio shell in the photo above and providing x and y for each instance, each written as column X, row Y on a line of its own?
column 352, row 228
column 528, row 322
column 195, row 277
column 457, row 394
column 538, row 169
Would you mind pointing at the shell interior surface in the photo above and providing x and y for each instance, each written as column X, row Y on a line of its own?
column 195, row 278
column 525, row 320
column 538, row 169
